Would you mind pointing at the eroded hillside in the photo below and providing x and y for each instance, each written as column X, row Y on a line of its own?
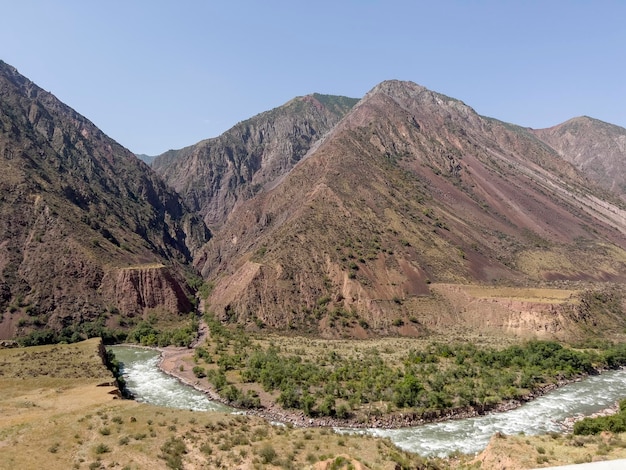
column 410, row 191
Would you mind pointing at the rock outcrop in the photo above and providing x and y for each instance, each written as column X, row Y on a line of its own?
column 136, row 290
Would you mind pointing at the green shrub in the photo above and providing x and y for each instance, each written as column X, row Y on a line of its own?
column 101, row 449
column 267, row 454
column 199, row 372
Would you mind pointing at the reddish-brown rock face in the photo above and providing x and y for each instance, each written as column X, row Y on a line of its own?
column 138, row 289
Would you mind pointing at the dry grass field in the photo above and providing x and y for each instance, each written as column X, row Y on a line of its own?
column 54, row 415
column 527, row 452
column 541, row 295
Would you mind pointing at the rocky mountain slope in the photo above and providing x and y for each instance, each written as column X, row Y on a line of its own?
column 76, row 207
column 215, row 175
column 597, row 148
column 410, row 194
column 404, row 213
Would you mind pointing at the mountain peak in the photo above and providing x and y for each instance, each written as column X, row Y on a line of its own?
column 216, row 175
column 393, row 86
column 595, row 147
column 417, row 98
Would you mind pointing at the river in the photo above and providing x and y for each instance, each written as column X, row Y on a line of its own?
column 150, row 385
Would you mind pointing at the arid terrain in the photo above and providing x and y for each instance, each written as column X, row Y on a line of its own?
column 56, row 412
column 401, row 233
column 55, row 409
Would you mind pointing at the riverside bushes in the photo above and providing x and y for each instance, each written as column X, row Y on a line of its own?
column 148, row 334
column 437, row 378
column 615, row 423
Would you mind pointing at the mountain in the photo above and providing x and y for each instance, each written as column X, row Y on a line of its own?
column 215, row 175
column 596, row 148
column 415, row 214
column 87, row 231
column 147, row 159
column 403, row 213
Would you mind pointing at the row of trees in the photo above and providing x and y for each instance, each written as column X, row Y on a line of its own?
column 146, row 332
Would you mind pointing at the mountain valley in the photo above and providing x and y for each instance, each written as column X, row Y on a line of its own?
column 397, row 258
column 403, row 213
column 406, row 201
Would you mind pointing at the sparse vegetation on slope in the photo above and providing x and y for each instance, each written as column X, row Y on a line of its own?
column 409, row 190
column 552, row 450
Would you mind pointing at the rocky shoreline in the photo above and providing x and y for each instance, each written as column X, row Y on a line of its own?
column 568, row 423
column 171, row 360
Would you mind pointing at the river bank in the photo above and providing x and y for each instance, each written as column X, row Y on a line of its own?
column 543, row 415
column 172, row 362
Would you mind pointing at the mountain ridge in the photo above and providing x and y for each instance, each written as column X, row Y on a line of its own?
column 401, row 195
column 216, row 174
column 332, row 215
column 75, row 206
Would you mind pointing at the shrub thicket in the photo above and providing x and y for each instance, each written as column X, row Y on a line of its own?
column 437, row 378
column 614, row 423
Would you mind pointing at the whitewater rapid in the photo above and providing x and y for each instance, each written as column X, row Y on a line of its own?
column 148, row 384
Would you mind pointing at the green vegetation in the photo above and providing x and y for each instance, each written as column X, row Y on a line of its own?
column 200, row 286
column 160, row 329
column 429, row 381
column 149, row 334
column 48, row 379
column 74, row 333
column 615, row 423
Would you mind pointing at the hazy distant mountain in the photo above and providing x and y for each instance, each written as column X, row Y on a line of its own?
column 597, row 148
column 78, row 213
column 410, row 194
column 214, row 175
column 145, row 158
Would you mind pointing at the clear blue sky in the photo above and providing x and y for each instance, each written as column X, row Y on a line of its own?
column 159, row 74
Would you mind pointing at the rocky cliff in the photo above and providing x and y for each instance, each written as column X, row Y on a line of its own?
column 137, row 289
column 215, row 175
